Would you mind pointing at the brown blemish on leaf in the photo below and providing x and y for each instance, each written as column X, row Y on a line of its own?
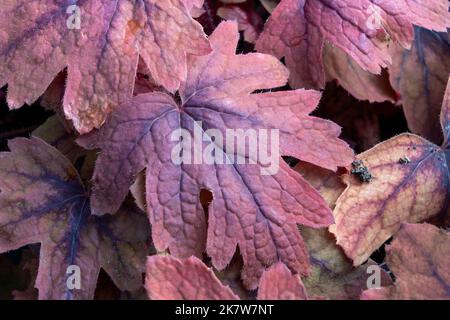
column 71, row 173
column 133, row 26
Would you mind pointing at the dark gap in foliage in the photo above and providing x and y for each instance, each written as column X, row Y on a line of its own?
column 20, row 122
column 209, row 19
column 363, row 124
column 283, row 88
column 15, row 273
column 206, row 197
column 291, row 161
column 379, row 256
column 106, row 289
column 79, row 163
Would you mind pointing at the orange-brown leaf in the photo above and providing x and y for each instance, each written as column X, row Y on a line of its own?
column 410, row 182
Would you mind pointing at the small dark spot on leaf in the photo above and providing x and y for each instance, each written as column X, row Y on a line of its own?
column 361, row 171
column 404, row 160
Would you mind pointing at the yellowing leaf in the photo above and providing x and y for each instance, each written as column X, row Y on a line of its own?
column 410, row 183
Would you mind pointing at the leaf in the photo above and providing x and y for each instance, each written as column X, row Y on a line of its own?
column 269, row 5
column 326, row 182
column 56, row 134
column 231, row 277
column 419, row 257
column 43, row 201
column 410, row 184
column 256, row 212
column 195, row 7
column 101, row 55
column 361, row 84
column 278, row 283
column 420, row 76
column 248, row 20
column 169, row 278
column 298, row 29
column 333, row 275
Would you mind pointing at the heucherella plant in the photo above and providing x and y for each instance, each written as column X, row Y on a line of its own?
column 200, row 149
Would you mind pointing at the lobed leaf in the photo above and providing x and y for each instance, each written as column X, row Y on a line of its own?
column 101, row 54
column 419, row 257
column 256, row 212
column 249, row 22
column 278, row 283
column 169, row 278
column 298, row 29
column 360, row 83
column 42, row 200
column 420, row 76
column 410, row 184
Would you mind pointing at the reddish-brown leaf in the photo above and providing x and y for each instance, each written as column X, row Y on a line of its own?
column 278, row 283
column 419, row 257
column 257, row 212
column 169, row 278
column 101, row 55
column 298, row 29
column 420, row 76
